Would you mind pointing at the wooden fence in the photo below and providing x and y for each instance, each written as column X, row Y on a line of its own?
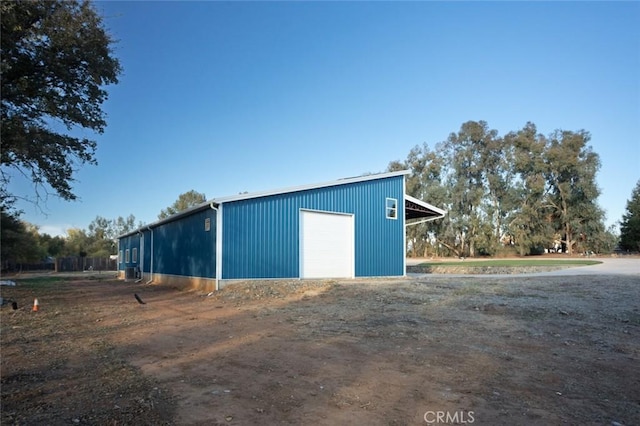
column 63, row 264
column 73, row 264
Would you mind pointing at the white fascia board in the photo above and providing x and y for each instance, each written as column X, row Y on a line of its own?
column 203, row 206
column 217, row 201
column 311, row 186
column 425, row 205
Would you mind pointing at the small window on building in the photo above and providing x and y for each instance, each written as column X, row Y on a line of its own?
column 391, row 208
column 134, row 255
column 207, row 224
column 126, row 256
column 120, row 256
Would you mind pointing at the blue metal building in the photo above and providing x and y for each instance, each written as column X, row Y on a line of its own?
column 347, row 228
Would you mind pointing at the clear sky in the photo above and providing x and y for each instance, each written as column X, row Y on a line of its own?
column 230, row 97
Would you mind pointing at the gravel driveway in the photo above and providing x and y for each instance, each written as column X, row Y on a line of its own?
column 609, row 266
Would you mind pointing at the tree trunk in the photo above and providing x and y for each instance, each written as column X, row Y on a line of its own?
column 565, row 217
column 568, row 240
column 453, row 249
column 472, row 243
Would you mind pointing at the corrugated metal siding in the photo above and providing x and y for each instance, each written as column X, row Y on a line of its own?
column 261, row 235
column 129, row 243
column 146, row 248
column 183, row 247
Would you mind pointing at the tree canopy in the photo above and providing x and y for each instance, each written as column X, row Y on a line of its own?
column 185, row 201
column 56, row 58
column 18, row 243
column 23, row 243
column 523, row 191
column 630, row 225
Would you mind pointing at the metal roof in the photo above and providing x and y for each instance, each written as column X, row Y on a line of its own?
column 344, row 181
column 220, row 200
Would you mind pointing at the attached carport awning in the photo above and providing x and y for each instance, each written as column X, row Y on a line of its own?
column 417, row 211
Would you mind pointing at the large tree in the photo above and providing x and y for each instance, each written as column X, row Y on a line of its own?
column 530, row 221
column 102, row 234
column 185, row 201
column 630, row 225
column 56, row 59
column 571, row 175
column 524, row 190
column 19, row 243
column 477, row 188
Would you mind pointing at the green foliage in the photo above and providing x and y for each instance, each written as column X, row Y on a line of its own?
column 19, row 241
column 56, row 57
column 100, row 238
column 603, row 242
column 528, row 224
column 41, row 283
column 185, row 201
column 77, row 242
column 630, row 225
column 524, row 191
column 572, row 190
column 22, row 242
column 424, row 183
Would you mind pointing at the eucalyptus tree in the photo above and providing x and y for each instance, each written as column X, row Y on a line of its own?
column 477, row 183
column 571, row 171
column 630, row 225
column 523, row 189
column 530, row 221
column 557, row 190
column 424, row 183
column 497, row 160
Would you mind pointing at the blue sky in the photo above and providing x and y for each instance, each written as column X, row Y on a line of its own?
column 230, row 97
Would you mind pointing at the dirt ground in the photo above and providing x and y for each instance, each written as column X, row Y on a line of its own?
column 432, row 350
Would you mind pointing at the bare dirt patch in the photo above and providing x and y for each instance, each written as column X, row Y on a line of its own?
column 552, row 350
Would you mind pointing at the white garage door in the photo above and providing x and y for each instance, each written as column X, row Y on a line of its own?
column 326, row 245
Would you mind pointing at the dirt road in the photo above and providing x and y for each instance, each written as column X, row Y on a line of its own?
column 425, row 350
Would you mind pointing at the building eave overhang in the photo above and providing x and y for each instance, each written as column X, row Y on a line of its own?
column 419, row 210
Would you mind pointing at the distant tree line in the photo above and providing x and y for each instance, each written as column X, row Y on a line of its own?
column 523, row 192
column 22, row 242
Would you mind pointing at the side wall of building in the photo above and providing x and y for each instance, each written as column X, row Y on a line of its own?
column 128, row 253
column 261, row 236
column 181, row 252
column 183, row 247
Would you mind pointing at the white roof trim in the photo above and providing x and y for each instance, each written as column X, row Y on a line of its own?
column 217, row 201
column 308, row 187
column 425, row 205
